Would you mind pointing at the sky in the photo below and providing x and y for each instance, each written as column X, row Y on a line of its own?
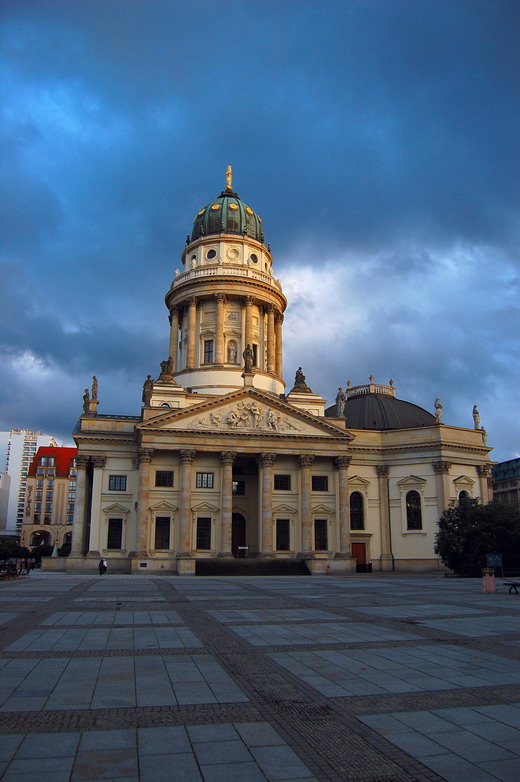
column 377, row 139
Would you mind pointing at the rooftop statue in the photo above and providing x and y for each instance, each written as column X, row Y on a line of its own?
column 147, row 390
column 340, row 403
column 229, row 178
column 300, row 383
column 476, row 417
column 86, row 400
column 438, row 411
column 94, row 387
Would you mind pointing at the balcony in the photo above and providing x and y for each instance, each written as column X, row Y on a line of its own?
column 227, row 270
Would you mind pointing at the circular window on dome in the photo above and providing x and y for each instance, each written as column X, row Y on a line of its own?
column 233, row 206
column 216, row 206
column 211, row 254
column 249, row 210
column 233, row 253
column 254, row 258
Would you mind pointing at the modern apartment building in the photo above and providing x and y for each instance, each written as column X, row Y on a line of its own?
column 21, row 450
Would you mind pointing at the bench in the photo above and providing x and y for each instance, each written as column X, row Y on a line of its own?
column 512, row 585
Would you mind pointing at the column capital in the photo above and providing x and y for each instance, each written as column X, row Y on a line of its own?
column 248, row 301
column 441, row 468
column 98, row 462
column 144, row 455
column 270, row 308
column 483, row 469
column 342, row 462
column 382, row 470
column 305, row 460
column 221, row 297
column 228, row 457
column 266, row 459
column 82, row 461
column 192, row 301
column 187, row 456
column 279, row 317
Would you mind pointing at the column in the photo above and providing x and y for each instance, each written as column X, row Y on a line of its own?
column 248, row 336
column 441, row 470
column 278, row 338
column 266, row 462
column 387, row 559
column 219, row 330
column 483, row 471
column 192, row 332
column 271, row 357
column 305, row 463
column 345, row 548
column 78, row 528
column 227, row 459
column 144, row 458
column 186, row 458
column 174, row 337
column 97, row 539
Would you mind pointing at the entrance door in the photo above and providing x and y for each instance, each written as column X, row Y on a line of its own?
column 359, row 552
column 238, row 534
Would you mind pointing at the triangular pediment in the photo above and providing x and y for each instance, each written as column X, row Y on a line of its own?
column 116, row 508
column 283, row 508
column 248, row 411
column 412, row 480
column 205, row 507
column 166, row 506
column 463, row 480
column 321, row 508
column 358, row 481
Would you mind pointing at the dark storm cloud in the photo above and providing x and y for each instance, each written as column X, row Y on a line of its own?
column 380, row 137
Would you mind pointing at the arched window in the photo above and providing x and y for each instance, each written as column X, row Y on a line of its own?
column 39, row 538
column 413, row 510
column 463, row 496
column 356, row 511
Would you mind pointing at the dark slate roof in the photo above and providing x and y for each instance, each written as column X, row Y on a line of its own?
column 379, row 411
column 506, row 470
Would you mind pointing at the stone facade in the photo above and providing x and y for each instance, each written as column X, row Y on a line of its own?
column 220, row 463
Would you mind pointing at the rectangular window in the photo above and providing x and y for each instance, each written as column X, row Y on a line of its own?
column 204, row 480
column 115, row 533
column 282, row 534
column 162, row 533
column 255, row 355
column 239, row 487
column 320, row 535
column 208, row 351
column 282, row 482
column 164, row 478
column 320, row 483
column 117, row 482
column 203, row 533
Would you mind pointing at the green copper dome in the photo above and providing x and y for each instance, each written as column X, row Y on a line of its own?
column 227, row 214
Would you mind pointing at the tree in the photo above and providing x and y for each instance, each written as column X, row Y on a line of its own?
column 468, row 531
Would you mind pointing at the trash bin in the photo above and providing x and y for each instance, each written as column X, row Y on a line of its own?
column 488, row 580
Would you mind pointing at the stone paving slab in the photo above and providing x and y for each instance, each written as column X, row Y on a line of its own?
column 105, row 638
column 379, row 681
column 459, row 744
column 324, row 633
column 250, row 752
column 112, row 618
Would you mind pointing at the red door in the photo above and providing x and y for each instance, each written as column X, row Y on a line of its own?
column 359, row 552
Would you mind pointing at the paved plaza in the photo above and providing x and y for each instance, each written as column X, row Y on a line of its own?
column 369, row 678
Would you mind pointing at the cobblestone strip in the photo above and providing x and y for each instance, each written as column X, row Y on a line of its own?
column 333, row 745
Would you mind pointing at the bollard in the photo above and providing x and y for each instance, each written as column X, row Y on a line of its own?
column 488, row 580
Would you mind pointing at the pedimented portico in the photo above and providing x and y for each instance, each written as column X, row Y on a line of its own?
column 223, row 462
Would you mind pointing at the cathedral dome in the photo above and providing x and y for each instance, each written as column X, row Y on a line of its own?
column 376, row 407
column 227, row 214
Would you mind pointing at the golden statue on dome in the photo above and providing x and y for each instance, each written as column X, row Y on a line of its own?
column 229, row 178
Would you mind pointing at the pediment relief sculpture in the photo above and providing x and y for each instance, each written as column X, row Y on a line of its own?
column 249, row 415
